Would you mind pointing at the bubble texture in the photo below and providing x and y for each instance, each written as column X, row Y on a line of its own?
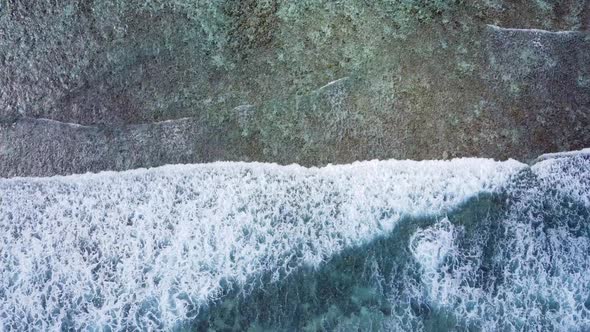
column 149, row 249
column 527, row 271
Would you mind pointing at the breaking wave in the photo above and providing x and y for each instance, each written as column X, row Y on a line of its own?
column 463, row 244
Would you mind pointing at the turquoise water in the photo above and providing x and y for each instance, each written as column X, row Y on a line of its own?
column 501, row 262
column 466, row 245
column 373, row 287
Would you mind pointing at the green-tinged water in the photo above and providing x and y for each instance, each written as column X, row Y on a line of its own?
column 509, row 261
column 463, row 245
column 371, row 287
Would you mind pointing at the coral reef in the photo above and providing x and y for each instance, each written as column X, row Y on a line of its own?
column 413, row 79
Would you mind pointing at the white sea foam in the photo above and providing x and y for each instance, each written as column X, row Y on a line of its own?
column 565, row 154
column 430, row 247
column 148, row 248
column 533, row 31
column 537, row 275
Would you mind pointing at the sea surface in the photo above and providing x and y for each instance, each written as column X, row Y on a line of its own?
column 461, row 245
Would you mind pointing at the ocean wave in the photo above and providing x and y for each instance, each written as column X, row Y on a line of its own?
column 150, row 248
column 166, row 248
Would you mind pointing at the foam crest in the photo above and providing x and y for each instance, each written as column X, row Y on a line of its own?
column 527, row 270
column 150, row 248
column 432, row 247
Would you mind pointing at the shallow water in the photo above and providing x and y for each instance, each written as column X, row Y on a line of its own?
column 468, row 244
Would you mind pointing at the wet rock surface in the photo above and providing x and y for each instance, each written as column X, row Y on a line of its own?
column 111, row 85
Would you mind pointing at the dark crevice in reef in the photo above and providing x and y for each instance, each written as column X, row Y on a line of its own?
column 585, row 18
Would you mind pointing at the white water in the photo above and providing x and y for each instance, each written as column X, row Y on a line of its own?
column 148, row 248
column 542, row 259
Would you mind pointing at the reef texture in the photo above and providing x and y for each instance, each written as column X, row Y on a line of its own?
column 110, row 85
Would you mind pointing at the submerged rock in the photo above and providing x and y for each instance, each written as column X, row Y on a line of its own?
column 409, row 80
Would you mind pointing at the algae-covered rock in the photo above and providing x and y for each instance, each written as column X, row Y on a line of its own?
column 311, row 82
